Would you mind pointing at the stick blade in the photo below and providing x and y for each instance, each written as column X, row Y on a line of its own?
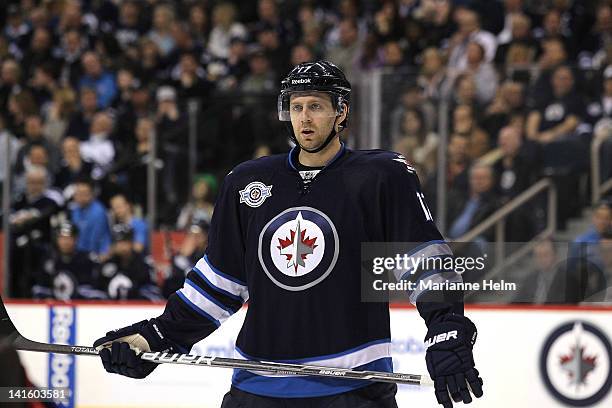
column 7, row 328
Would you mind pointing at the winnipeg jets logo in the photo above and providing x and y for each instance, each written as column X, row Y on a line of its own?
column 298, row 248
column 575, row 364
column 255, row 193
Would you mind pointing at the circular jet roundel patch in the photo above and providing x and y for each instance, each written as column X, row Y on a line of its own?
column 298, row 248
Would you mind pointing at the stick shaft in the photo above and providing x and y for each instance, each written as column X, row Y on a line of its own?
column 9, row 334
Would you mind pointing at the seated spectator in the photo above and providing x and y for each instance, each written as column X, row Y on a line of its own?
column 585, row 245
column 200, row 206
column 129, row 28
column 65, row 272
column 163, row 18
column 35, row 136
column 36, row 157
column 557, row 116
column 480, row 203
column 58, row 114
column 127, row 274
column 553, row 26
column 537, row 286
column 96, row 77
column 73, row 167
column 509, row 101
column 514, row 171
column 432, row 74
column 599, row 117
column 10, row 78
column 412, row 97
column 30, row 227
column 469, row 30
column 465, row 124
column 416, row 143
column 224, row 28
column 192, row 249
column 553, row 55
column 465, row 92
column 98, row 149
column 80, row 122
column 189, row 78
column 346, row 52
column 122, row 213
column 301, row 53
column 483, row 72
column 458, row 164
column 69, row 51
column 520, row 34
column 89, row 215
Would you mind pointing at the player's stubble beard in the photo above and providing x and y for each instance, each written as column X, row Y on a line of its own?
column 319, row 139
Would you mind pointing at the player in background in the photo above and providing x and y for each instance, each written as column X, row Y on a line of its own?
column 128, row 274
column 67, row 272
column 286, row 235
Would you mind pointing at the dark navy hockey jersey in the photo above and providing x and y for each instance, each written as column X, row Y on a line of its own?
column 292, row 249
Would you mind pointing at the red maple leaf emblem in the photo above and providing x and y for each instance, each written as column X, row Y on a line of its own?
column 296, row 251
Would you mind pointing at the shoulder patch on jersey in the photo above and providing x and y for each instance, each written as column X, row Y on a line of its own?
column 255, row 193
column 401, row 159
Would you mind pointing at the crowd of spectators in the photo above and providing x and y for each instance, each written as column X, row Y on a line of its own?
column 96, row 93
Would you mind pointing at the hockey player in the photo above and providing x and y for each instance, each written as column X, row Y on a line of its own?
column 66, row 272
column 128, row 274
column 286, row 236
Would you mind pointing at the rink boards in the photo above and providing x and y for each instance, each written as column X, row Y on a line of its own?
column 545, row 357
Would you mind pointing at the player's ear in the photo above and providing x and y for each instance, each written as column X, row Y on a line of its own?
column 342, row 117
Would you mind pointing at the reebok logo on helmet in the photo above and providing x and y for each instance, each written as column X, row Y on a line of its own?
column 300, row 81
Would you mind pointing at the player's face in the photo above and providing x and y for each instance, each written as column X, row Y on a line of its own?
column 66, row 244
column 312, row 117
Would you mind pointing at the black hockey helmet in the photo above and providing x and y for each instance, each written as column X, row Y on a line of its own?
column 122, row 232
column 66, row 229
column 319, row 76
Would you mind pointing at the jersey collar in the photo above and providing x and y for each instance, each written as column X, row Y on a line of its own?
column 292, row 158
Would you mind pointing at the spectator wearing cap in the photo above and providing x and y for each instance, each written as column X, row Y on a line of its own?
column 224, row 28
column 192, row 249
column 200, row 206
column 96, row 77
column 122, row 212
column 65, row 272
column 89, row 215
column 127, row 274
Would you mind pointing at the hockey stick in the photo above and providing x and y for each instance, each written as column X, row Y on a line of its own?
column 10, row 335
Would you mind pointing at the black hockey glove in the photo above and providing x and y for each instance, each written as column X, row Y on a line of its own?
column 449, row 358
column 120, row 348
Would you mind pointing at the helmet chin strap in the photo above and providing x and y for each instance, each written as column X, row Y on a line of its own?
column 327, row 141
